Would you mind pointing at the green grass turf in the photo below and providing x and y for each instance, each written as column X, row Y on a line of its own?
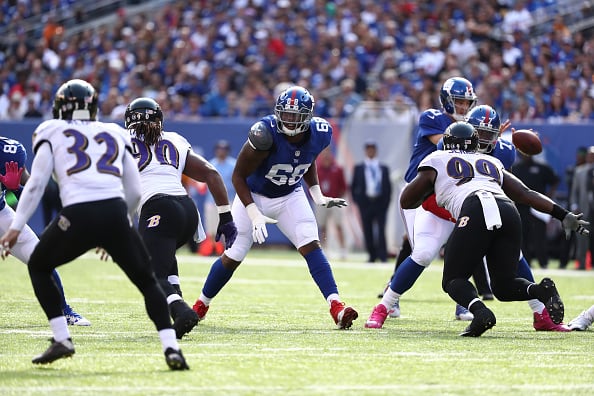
column 269, row 332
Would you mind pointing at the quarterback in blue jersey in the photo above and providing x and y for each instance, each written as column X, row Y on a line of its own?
column 13, row 158
column 279, row 154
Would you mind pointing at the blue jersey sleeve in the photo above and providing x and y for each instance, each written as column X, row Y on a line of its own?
column 432, row 122
column 505, row 152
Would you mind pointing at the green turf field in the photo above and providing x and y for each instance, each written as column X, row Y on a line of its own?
column 269, row 332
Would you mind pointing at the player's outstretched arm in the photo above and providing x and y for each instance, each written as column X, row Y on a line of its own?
column 519, row 192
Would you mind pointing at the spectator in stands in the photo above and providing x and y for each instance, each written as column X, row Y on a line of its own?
column 511, row 54
column 557, row 111
column 518, row 18
column 522, row 111
column 587, row 109
column 432, row 59
column 461, row 46
column 216, row 103
column 17, row 106
column 349, row 44
column 32, row 110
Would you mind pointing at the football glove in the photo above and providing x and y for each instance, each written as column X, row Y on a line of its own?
column 12, row 178
column 227, row 228
column 321, row 200
column 573, row 222
column 259, row 232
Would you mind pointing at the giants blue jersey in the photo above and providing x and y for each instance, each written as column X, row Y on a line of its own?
column 431, row 122
column 10, row 150
column 281, row 172
column 505, row 152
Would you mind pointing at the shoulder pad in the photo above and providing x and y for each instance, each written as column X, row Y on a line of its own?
column 260, row 137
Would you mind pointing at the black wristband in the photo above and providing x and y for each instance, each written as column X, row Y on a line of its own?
column 225, row 218
column 558, row 212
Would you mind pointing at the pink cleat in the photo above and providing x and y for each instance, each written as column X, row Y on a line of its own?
column 543, row 322
column 343, row 316
column 377, row 318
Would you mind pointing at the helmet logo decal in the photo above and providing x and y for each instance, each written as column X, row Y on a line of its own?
column 469, row 91
column 292, row 104
column 486, row 121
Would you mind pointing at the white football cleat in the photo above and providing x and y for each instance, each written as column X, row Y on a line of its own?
column 581, row 322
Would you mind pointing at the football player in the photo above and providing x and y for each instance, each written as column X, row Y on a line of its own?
column 100, row 190
column 14, row 157
column 489, row 127
column 486, row 122
column 279, row 154
column 168, row 216
column 427, row 231
column 476, row 189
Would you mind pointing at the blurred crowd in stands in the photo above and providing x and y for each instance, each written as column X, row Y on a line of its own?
column 229, row 58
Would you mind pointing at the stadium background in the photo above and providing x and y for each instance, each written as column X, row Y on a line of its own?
column 178, row 51
column 394, row 138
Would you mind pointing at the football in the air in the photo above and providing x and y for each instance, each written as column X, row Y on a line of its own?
column 527, row 141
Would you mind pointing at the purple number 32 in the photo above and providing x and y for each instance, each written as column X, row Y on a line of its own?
column 83, row 161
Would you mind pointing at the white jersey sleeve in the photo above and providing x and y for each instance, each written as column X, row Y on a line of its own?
column 460, row 174
column 87, row 157
column 161, row 165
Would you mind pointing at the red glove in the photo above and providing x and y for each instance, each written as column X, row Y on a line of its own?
column 12, row 178
column 430, row 205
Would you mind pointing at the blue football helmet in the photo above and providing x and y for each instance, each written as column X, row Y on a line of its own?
column 456, row 88
column 294, row 110
column 75, row 100
column 460, row 136
column 486, row 121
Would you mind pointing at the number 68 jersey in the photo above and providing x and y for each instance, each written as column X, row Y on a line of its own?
column 282, row 171
column 88, row 158
column 460, row 174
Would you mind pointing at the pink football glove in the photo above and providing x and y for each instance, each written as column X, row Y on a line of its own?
column 12, row 178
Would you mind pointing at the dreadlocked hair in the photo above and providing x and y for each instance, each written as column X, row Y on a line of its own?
column 149, row 132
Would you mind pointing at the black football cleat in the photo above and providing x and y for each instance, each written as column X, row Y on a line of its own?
column 57, row 350
column 175, row 360
column 552, row 302
column 184, row 322
column 484, row 319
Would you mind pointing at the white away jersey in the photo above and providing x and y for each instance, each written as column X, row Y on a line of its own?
column 459, row 174
column 161, row 166
column 85, row 151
